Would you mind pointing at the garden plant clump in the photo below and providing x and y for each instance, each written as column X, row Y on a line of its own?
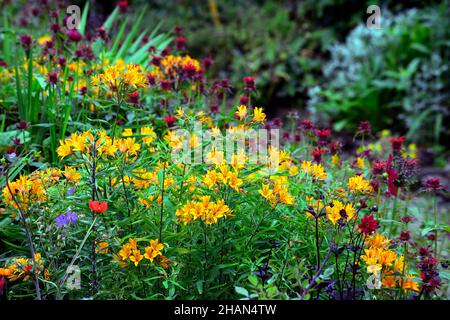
column 127, row 172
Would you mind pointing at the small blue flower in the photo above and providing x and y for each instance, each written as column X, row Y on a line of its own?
column 71, row 217
column 61, row 220
column 71, row 191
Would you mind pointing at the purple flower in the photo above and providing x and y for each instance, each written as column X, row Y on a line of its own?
column 61, row 220
column 71, row 191
column 71, row 217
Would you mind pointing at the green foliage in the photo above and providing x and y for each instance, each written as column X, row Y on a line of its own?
column 397, row 76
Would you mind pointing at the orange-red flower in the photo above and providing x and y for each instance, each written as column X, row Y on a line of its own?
column 98, row 207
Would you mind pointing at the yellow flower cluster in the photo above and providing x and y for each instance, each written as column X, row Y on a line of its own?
column 359, row 184
column 315, row 170
column 22, row 268
column 105, row 146
column 386, row 263
column 279, row 193
column 258, row 114
column 172, row 64
column 131, row 252
column 204, row 209
column 225, row 176
column 33, row 188
column 115, row 77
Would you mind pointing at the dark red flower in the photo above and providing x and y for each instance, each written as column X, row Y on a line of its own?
column 335, row 147
column 323, row 134
column 276, row 122
column 170, row 120
column 166, row 51
column 189, row 69
column 214, row 108
column 249, row 84
column 25, row 41
column 133, row 97
column 396, row 143
column 102, row 33
column 151, row 79
column 406, row 219
column 74, row 35
column 317, row 155
column 306, row 125
column 62, row 61
column 156, row 60
column 405, row 235
column 180, row 43
column 433, row 184
column 123, row 5
column 55, row 28
column 368, row 225
column 392, row 176
column 22, row 125
column 364, row 127
column 207, row 62
column 53, row 77
column 166, row 85
column 98, row 207
column 375, row 185
column 243, row 100
column 425, row 252
column 378, row 167
column 178, row 30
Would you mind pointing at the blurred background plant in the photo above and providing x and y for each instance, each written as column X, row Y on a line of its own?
column 396, row 77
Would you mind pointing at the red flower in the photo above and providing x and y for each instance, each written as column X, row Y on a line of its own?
column 378, row 167
column 392, row 176
column 26, row 40
column 207, row 62
column 317, row 154
column 169, row 120
column 323, row 134
column 405, row 235
column 396, row 143
column 181, row 43
column 123, row 6
column 98, row 207
column 368, row 225
column 133, row 97
column 433, row 184
column 74, row 35
column 364, row 127
column 53, row 77
column 249, row 84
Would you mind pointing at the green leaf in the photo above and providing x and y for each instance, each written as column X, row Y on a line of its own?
column 84, row 16
column 199, row 285
column 241, row 291
column 108, row 23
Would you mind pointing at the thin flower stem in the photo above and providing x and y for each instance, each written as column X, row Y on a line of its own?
column 206, row 259
column 124, row 188
column 162, row 203
column 405, row 248
column 435, row 224
column 93, row 242
column 317, row 242
column 393, row 217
